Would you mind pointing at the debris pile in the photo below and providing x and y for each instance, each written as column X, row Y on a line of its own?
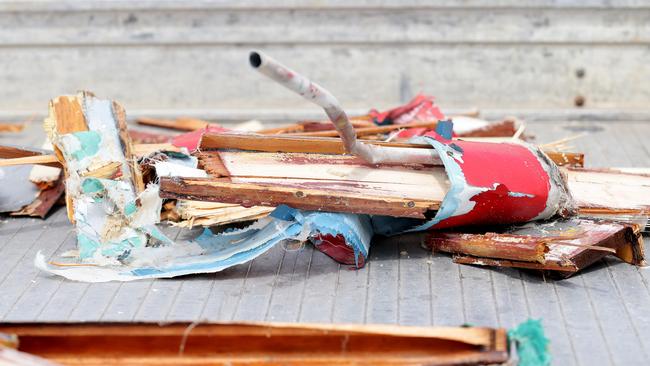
column 474, row 189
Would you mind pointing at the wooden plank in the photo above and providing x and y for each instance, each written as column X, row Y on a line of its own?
column 285, row 302
column 37, row 289
column 259, row 285
column 311, row 199
column 605, row 301
column 415, row 305
column 509, row 296
column 15, row 249
column 324, row 145
column 11, row 152
column 351, row 295
column 446, row 291
column 161, row 294
column 582, row 322
column 182, row 124
column 191, row 298
column 283, row 143
column 224, row 296
column 49, row 160
column 18, row 264
column 382, row 303
column 92, row 305
column 326, row 167
column 127, row 299
column 260, row 343
column 543, row 303
column 320, row 289
column 365, row 131
column 478, row 299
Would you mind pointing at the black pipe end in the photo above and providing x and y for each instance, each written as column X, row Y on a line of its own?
column 255, row 59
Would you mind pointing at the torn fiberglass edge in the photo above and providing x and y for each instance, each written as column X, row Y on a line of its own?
column 111, row 217
column 213, row 253
column 497, row 184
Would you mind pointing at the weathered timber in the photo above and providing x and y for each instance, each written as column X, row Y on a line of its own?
column 567, row 246
column 491, row 245
column 248, row 195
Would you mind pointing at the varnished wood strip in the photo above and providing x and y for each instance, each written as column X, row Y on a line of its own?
column 369, row 130
column 327, row 145
column 182, row 124
column 248, row 195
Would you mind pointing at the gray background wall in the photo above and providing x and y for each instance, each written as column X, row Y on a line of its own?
column 190, row 57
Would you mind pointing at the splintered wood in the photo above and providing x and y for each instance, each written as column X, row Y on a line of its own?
column 330, row 197
column 312, row 173
column 66, row 116
column 563, row 246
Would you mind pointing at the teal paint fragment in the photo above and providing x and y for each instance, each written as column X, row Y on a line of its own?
column 157, row 234
column 532, row 344
column 87, row 246
column 92, row 185
column 117, row 249
column 89, row 141
column 130, row 208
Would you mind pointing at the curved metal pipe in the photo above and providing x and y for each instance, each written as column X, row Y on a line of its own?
column 318, row 95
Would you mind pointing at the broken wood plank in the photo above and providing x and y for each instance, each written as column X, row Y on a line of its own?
column 601, row 191
column 596, row 192
column 12, row 152
column 12, row 127
column 324, row 145
column 65, row 116
column 49, row 160
column 491, row 245
column 283, row 143
column 10, row 155
column 182, row 124
column 570, row 159
column 260, row 344
column 248, row 195
column 322, row 167
column 312, row 126
column 369, row 130
column 567, row 246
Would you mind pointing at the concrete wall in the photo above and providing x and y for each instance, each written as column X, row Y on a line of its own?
column 190, row 57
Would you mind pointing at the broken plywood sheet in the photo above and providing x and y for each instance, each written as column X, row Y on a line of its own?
column 564, row 246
